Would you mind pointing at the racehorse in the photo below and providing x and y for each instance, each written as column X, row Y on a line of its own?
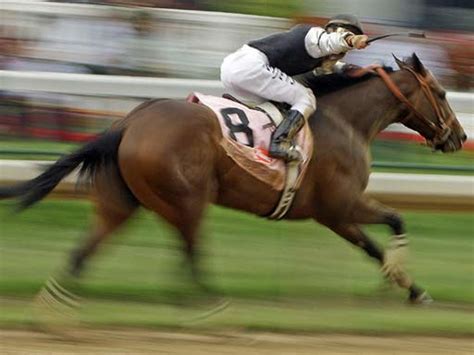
column 166, row 155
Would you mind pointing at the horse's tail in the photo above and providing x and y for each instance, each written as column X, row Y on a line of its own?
column 93, row 155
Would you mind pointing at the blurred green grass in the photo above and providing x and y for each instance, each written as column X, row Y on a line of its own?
column 31, row 149
column 403, row 152
column 288, row 276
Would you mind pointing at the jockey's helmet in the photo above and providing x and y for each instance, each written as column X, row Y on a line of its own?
column 349, row 22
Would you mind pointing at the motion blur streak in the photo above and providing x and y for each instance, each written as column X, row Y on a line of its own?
column 266, row 278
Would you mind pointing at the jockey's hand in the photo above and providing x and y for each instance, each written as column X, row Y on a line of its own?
column 357, row 41
column 355, row 71
column 371, row 67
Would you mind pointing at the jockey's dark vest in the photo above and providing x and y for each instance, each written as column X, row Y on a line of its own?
column 287, row 52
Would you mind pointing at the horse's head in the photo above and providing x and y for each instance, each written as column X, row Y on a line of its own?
column 429, row 112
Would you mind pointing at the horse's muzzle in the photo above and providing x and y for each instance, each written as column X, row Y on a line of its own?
column 452, row 143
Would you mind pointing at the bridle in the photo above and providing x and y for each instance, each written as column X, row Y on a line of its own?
column 440, row 129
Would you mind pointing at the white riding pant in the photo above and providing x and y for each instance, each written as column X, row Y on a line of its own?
column 246, row 74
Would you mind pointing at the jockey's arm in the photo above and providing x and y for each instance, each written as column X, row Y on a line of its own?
column 320, row 43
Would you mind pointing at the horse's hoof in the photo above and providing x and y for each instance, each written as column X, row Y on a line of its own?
column 216, row 308
column 422, row 299
column 55, row 309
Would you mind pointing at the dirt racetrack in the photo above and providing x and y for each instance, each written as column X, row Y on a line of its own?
column 160, row 342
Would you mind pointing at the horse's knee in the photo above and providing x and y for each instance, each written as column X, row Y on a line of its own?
column 395, row 222
column 354, row 235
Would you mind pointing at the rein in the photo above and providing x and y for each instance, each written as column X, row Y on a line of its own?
column 441, row 129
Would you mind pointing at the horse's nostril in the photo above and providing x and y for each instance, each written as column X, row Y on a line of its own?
column 464, row 137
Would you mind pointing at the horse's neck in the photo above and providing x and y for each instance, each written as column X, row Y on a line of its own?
column 368, row 107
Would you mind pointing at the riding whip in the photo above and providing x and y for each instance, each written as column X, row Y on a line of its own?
column 406, row 34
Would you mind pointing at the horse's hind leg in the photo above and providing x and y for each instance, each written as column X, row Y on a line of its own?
column 180, row 203
column 186, row 216
column 189, row 228
column 57, row 303
column 105, row 223
column 113, row 207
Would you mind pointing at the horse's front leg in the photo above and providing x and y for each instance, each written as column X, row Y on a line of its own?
column 353, row 234
column 367, row 211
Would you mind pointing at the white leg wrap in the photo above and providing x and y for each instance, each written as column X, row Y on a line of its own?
column 394, row 260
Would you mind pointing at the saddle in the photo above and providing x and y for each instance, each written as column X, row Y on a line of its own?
column 246, row 135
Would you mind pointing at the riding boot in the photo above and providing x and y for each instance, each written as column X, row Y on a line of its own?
column 281, row 145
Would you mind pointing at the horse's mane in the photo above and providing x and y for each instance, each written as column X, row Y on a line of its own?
column 326, row 84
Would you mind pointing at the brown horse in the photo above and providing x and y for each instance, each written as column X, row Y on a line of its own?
column 166, row 155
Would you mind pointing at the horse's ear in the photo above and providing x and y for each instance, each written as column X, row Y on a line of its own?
column 417, row 64
column 401, row 64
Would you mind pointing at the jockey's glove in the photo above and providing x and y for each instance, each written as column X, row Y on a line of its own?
column 357, row 41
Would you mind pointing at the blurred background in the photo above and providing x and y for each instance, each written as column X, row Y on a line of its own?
column 188, row 40
column 68, row 69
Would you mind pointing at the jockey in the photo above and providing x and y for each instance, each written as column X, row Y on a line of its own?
column 262, row 70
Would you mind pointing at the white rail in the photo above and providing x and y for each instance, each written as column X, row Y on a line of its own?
column 422, row 185
column 127, row 86
column 105, row 85
column 380, row 183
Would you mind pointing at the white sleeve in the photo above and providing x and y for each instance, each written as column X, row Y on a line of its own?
column 320, row 43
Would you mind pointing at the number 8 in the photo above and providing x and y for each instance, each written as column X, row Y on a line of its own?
column 237, row 128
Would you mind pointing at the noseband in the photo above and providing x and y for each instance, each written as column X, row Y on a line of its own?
column 440, row 129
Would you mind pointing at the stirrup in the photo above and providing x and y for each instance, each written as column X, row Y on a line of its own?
column 290, row 154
